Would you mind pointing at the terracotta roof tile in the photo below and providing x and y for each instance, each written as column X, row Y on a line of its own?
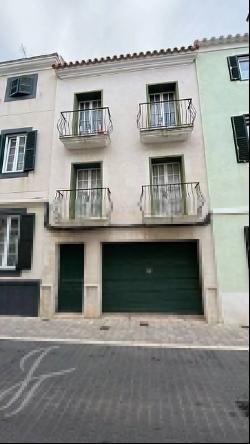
column 135, row 55
column 213, row 41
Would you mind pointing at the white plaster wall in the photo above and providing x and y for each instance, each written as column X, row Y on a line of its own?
column 235, row 308
column 30, row 192
column 126, row 160
column 39, row 114
column 126, row 167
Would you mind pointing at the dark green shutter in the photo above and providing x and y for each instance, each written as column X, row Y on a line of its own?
column 25, row 246
column 234, row 68
column 246, row 230
column 241, row 138
column 30, row 152
column 2, row 149
column 25, row 85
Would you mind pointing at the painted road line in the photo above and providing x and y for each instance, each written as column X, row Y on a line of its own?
column 127, row 343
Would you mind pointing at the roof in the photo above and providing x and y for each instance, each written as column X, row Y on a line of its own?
column 140, row 55
column 238, row 38
column 222, row 40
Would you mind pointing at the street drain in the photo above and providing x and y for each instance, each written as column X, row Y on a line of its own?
column 244, row 407
column 144, row 324
column 104, row 328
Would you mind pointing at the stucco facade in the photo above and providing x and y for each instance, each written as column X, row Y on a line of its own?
column 178, row 220
column 125, row 169
column 27, row 192
column 221, row 99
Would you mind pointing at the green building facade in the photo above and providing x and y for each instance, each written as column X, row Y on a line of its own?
column 223, row 76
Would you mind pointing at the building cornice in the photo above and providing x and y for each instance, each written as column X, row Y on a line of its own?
column 231, row 211
column 117, row 66
column 29, row 65
column 23, row 201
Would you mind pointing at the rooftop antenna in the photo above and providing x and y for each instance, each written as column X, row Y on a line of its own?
column 23, row 49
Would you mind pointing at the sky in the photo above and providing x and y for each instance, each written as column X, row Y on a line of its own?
column 83, row 29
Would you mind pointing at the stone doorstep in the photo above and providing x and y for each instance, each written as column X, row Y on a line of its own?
column 133, row 316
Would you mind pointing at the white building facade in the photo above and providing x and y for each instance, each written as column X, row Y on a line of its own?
column 128, row 221
column 123, row 220
column 27, row 98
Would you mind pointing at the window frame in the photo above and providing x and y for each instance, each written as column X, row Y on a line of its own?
column 239, row 59
column 7, row 148
column 238, row 139
column 32, row 95
column 246, row 117
column 7, row 241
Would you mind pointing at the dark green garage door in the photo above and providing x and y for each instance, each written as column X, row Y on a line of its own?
column 151, row 278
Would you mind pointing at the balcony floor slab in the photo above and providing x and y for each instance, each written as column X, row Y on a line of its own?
column 163, row 135
column 86, row 142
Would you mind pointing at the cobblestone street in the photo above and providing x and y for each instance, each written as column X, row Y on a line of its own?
column 100, row 394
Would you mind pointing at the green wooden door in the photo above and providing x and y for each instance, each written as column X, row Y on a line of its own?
column 151, row 278
column 71, row 273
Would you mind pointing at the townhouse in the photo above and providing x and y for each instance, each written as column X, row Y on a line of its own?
column 27, row 94
column 223, row 75
column 104, row 196
column 127, row 221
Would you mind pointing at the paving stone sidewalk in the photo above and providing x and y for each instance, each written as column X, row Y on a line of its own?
column 135, row 330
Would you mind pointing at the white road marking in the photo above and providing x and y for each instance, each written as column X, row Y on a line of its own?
column 128, row 343
column 19, row 396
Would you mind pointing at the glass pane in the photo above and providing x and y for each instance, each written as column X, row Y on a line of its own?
column 3, row 232
column 20, row 162
column 173, row 173
column 82, row 179
column 11, row 262
column 10, row 164
column 12, row 142
column 244, row 68
column 22, row 140
column 158, row 175
column 13, row 242
column 11, row 152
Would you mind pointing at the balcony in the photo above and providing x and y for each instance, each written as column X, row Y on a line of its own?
column 81, row 207
column 89, row 128
column 166, row 121
column 180, row 203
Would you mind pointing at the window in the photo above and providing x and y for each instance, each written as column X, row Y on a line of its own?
column 14, row 154
column 239, row 67
column 89, row 192
column 17, row 152
column 167, row 187
column 90, row 113
column 9, row 238
column 241, row 137
column 247, row 124
column 162, row 105
column 244, row 67
column 21, row 88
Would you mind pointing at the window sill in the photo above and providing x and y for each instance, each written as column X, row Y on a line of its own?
column 13, row 175
column 9, row 272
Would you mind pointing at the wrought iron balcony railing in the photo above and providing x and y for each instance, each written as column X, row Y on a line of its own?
column 79, row 205
column 88, row 122
column 180, row 199
column 166, row 115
